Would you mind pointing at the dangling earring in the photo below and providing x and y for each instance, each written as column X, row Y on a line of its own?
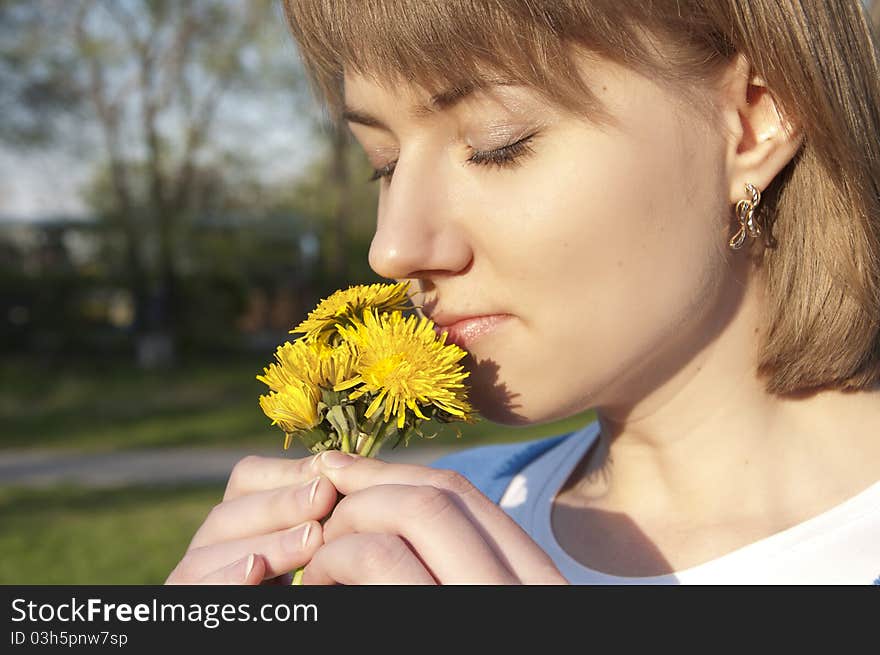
column 745, row 213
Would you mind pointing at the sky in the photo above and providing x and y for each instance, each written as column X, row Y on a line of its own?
column 273, row 129
column 46, row 183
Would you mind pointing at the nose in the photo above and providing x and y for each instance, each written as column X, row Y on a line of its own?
column 420, row 230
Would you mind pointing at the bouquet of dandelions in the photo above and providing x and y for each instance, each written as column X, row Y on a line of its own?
column 362, row 375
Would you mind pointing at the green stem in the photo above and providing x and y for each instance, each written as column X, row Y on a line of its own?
column 371, row 447
column 373, row 424
column 298, row 573
column 365, row 448
column 376, row 433
column 374, row 449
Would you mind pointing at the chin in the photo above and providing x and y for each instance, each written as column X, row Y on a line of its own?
column 498, row 401
column 497, row 411
column 491, row 396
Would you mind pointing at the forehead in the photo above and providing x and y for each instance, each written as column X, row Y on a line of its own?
column 424, row 98
column 615, row 91
column 362, row 93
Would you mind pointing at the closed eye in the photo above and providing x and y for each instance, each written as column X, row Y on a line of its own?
column 508, row 156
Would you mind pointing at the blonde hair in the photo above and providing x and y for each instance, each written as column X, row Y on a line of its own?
column 818, row 60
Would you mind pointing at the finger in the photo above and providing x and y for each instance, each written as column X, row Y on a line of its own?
column 434, row 524
column 254, row 473
column 266, row 511
column 282, row 580
column 366, row 559
column 281, row 551
column 522, row 555
column 246, row 571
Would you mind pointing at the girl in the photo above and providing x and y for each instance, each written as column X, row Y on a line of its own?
column 668, row 212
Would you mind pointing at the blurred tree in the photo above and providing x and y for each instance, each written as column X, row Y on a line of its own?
column 340, row 179
column 340, row 203
column 148, row 78
column 36, row 73
column 170, row 64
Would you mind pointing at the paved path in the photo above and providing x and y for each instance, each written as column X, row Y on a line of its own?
column 154, row 466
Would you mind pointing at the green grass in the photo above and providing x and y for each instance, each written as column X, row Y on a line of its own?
column 136, row 534
column 113, row 406
column 110, row 406
column 70, row 535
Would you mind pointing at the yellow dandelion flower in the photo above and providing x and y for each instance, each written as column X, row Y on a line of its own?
column 348, row 304
column 297, row 363
column 338, row 364
column 293, row 408
column 311, row 362
column 406, row 366
column 295, row 382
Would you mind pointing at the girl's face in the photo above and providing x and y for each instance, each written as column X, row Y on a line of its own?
column 604, row 246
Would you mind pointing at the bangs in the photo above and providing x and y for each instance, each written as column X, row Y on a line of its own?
column 453, row 45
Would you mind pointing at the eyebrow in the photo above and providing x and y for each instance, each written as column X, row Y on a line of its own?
column 439, row 102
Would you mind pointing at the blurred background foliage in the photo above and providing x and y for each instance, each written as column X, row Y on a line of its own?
column 139, row 318
column 186, row 240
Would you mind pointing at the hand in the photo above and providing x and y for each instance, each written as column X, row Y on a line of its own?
column 265, row 527
column 405, row 524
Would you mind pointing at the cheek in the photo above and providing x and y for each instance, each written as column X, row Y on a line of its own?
column 617, row 228
column 608, row 255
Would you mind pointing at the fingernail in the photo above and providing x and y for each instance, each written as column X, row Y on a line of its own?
column 297, row 537
column 249, row 566
column 335, row 459
column 307, row 492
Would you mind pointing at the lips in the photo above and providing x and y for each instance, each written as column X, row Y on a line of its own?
column 465, row 330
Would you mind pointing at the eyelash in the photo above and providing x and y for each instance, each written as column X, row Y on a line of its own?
column 507, row 156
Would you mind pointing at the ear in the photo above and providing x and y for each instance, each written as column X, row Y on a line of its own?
column 761, row 141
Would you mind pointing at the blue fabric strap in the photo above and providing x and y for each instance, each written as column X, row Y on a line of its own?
column 491, row 468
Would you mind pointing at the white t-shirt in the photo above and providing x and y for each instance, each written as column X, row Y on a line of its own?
column 839, row 546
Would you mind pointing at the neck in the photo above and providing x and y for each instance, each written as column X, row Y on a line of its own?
column 709, row 440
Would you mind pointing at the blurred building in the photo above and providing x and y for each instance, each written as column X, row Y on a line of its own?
column 244, row 282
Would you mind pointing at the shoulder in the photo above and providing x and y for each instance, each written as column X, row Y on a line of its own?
column 490, row 468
